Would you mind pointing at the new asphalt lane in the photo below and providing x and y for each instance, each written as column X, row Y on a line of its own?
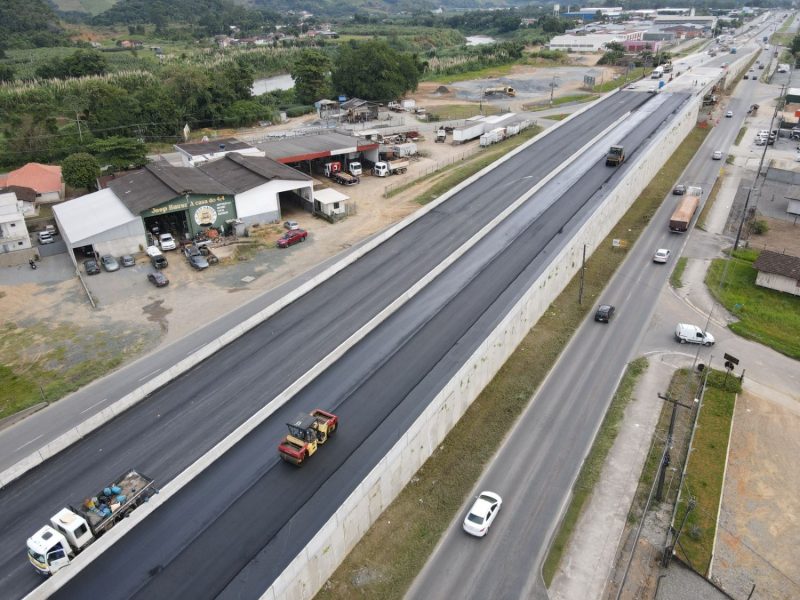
column 248, row 501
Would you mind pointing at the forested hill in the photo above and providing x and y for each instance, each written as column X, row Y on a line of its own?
column 28, row 24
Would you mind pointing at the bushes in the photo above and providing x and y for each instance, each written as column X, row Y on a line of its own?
column 298, row 110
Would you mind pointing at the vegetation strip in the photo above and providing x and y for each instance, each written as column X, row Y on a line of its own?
column 389, row 556
column 766, row 316
column 705, row 471
column 677, row 273
column 592, row 468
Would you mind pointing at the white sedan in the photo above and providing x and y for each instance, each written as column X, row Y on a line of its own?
column 482, row 513
column 717, row 155
column 661, row 255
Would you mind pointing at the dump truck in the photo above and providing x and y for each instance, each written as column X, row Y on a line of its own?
column 389, row 167
column 502, row 89
column 682, row 217
column 615, row 156
column 72, row 529
column 306, row 433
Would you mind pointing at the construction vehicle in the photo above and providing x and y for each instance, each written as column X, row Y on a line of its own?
column 389, row 167
column 71, row 529
column 306, row 433
column 441, row 135
column 680, row 219
column 503, row 89
column 615, row 156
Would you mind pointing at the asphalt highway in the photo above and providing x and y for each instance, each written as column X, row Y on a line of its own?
column 234, row 528
column 534, row 477
column 168, row 431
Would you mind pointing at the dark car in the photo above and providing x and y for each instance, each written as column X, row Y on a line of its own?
column 290, row 238
column 158, row 279
column 604, row 313
column 127, row 260
column 159, row 262
column 195, row 257
column 91, row 267
column 679, row 190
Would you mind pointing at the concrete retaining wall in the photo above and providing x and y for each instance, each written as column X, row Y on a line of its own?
column 311, row 568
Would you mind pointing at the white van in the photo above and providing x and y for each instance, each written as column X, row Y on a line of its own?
column 692, row 334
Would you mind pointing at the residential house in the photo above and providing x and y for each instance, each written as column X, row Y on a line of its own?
column 45, row 180
column 779, row 272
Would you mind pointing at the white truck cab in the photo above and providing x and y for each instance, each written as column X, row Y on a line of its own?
column 355, row 168
column 53, row 546
column 381, row 169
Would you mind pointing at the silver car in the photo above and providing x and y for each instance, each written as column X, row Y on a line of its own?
column 109, row 263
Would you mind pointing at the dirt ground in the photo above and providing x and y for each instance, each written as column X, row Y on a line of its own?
column 782, row 236
column 759, row 527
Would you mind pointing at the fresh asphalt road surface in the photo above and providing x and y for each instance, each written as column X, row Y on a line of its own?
column 234, row 528
column 534, row 473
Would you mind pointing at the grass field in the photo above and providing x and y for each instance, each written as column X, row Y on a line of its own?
column 448, row 112
column 384, row 563
column 705, row 472
column 766, row 316
column 485, row 73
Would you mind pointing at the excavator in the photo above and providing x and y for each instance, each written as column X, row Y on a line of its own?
column 306, row 433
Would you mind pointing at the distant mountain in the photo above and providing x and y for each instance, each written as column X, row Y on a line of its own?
column 29, row 24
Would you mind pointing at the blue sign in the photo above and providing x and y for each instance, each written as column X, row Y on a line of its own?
column 342, row 98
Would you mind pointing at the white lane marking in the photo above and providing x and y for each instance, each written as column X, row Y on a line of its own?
column 30, row 442
column 93, row 405
column 148, row 375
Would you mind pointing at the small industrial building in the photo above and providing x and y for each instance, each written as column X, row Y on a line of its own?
column 593, row 42
column 309, row 153
column 779, row 272
column 195, row 153
column 184, row 201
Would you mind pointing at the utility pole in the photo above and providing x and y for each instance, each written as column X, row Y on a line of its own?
column 671, row 547
column 665, row 463
column 553, row 86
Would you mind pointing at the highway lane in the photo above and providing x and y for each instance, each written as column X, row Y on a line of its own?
column 239, row 539
column 167, row 432
column 534, row 475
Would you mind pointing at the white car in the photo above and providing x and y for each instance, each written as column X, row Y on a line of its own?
column 717, row 155
column 167, row 242
column 729, row 114
column 153, row 251
column 483, row 512
column 661, row 255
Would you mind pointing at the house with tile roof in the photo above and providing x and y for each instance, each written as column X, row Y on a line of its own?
column 44, row 180
column 779, row 272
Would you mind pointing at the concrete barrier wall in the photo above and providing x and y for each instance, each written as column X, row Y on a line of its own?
column 311, row 568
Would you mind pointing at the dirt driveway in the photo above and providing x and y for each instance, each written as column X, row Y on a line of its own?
column 759, row 526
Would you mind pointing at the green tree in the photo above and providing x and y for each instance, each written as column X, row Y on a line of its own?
column 796, row 45
column 120, row 152
column 373, row 71
column 79, row 64
column 6, row 73
column 310, row 73
column 80, row 170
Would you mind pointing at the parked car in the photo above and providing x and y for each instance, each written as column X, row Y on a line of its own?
column 291, row 225
column 679, row 190
column 195, row 257
column 158, row 279
column 717, row 155
column 761, row 141
column 127, row 260
column 159, row 262
column 604, row 313
column 661, row 255
column 109, row 263
column 91, row 267
column 46, row 237
column 167, row 242
column 693, row 335
column 290, row 238
column 482, row 514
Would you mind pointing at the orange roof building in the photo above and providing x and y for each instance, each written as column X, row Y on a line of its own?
column 45, row 180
